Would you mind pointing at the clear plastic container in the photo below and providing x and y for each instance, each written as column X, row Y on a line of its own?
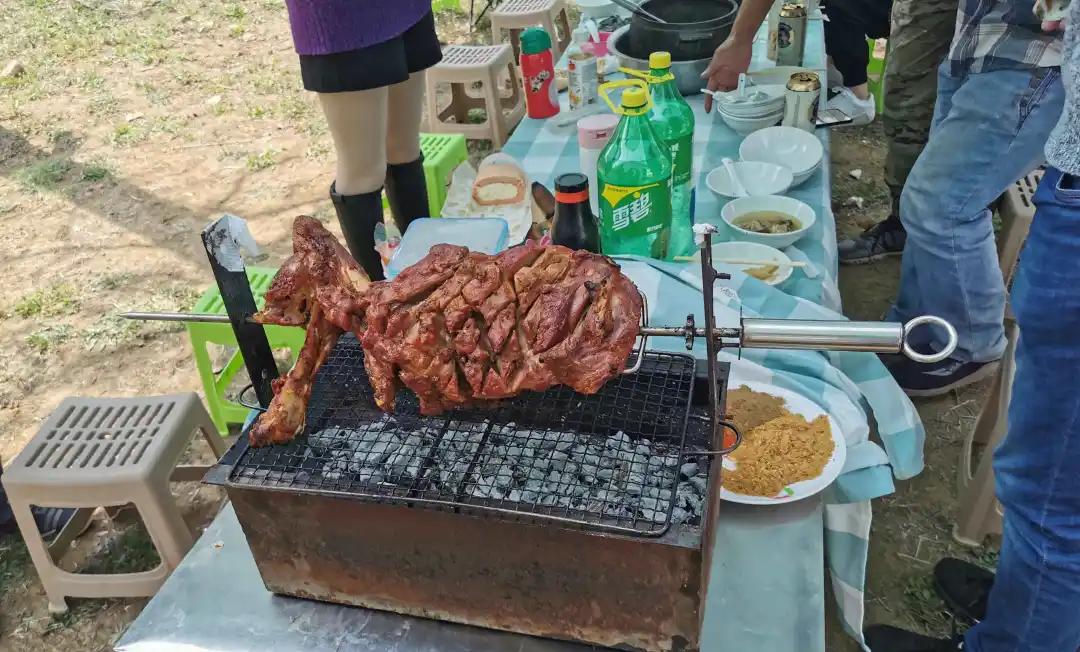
column 484, row 234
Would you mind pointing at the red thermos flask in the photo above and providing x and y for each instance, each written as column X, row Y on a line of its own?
column 538, row 70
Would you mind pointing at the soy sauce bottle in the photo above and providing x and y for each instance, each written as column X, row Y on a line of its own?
column 574, row 225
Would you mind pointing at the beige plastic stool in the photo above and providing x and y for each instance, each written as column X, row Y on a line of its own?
column 1016, row 210
column 99, row 452
column 978, row 513
column 515, row 15
column 463, row 65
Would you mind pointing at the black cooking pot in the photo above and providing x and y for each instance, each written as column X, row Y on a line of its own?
column 693, row 30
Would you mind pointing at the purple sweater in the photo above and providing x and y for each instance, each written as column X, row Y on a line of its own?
column 331, row 26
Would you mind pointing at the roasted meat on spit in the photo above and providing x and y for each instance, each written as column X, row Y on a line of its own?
column 455, row 328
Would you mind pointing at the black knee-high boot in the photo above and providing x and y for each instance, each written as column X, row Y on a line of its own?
column 358, row 215
column 406, row 191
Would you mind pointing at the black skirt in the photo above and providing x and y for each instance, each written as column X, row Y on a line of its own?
column 383, row 64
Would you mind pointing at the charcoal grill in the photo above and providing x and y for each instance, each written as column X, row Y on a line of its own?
column 433, row 516
column 351, row 448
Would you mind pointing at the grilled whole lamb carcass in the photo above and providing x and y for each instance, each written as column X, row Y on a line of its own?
column 455, row 328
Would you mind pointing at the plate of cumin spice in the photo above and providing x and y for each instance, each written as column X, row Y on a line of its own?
column 791, row 448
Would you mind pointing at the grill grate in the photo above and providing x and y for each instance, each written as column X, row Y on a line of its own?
column 610, row 461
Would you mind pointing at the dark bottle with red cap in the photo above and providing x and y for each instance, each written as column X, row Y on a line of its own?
column 575, row 225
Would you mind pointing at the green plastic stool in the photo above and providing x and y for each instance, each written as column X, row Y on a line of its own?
column 442, row 153
column 875, row 74
column 222, row 410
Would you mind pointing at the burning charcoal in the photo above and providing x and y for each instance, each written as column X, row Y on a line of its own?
column 649, row 503
column 656, row 516
column 579, row 449
column 655, row 463
column 605, row 474
column 547, row 500
column 679, row 516
column 635, row 483
column 504, row 478
column 548, row 440
column 694, row 504
column 643, row 450
column 700, row 483
column 619, row 441
column 570, row 469
column 536, row 474
column 515, row 495
column 332, row 475
column 534, row 486
column 558, row 460
column 554, row 477
column 689, row 469
column 528, row 496
column 658, row 493
column 514, row 452
column 671, row 461
column 593, row 460
column 639, row 468
column 565, row 442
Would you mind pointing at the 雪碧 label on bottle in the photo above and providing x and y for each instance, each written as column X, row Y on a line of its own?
column 635, row 219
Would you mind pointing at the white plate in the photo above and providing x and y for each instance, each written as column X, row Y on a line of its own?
column 777, row 74
column 751, row 251
column 796, row 404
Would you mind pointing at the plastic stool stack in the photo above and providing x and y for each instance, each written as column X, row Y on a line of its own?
column 462, row 67
column 216, row 383
column 94, row 452
column 515, row 15
column 442, row 154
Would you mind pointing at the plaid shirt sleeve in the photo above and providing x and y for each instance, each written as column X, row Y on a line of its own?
column 1001, row 35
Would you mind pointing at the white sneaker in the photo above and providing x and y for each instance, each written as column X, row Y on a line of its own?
column 862, row 112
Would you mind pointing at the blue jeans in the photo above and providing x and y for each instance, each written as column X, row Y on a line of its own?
column 1035, row 603
column 989, row 129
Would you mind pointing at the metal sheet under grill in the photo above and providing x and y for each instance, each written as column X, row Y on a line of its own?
column 609, row 461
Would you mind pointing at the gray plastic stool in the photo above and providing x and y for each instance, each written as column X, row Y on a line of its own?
column 93, row 452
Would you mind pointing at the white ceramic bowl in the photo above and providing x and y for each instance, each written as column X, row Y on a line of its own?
column 775, row 97
column 800, row 178
column 746, row 126
column 758, row 178
column 799, row 150
column 736, row 208
column 752, row 251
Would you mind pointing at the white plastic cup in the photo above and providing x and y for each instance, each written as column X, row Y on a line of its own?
column 594, row 131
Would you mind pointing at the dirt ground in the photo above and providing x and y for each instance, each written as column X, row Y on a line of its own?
column 138, row 121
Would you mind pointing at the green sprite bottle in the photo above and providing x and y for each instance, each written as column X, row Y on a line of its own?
column 673, row 120
column 634, row 177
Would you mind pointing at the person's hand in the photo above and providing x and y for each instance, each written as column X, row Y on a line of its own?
column 731, row 59
column 1044, row 7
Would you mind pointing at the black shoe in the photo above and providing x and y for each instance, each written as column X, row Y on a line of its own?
column 406, row 192
column 885, row 238
column 886, row 638
column 358, row 215
column 51, row 520
column 937, row 378
column 963, row 586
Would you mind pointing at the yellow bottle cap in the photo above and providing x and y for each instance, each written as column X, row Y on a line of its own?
column 660, row 60
column 635, row 98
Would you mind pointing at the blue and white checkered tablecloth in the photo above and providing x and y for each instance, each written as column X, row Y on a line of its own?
column 767, row 587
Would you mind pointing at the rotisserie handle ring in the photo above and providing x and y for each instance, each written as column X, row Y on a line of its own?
column 945, row 352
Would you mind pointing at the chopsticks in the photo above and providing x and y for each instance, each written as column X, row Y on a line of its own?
column 736, row 261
